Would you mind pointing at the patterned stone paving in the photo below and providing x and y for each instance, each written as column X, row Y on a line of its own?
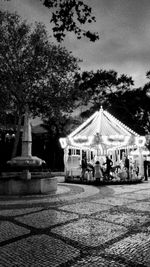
column 36, row 250
column 114, row 201
column 97, row 261
column 141, row 206
column 85, row 208
column 137, row 196
column 87, row 226
column 120, row 189
column 135, row 247
column 16, row 212
column 90, row 232
column 9, row 230
column 46, row 218
column 128, row 219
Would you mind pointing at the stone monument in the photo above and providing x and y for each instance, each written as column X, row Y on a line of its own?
column 27, row 180
column 26, row 160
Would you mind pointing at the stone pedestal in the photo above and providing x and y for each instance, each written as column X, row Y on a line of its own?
column 26, row 160
column 23, row 182
column 26, row 137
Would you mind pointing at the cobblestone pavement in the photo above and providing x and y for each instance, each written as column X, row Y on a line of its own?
column 81, row 225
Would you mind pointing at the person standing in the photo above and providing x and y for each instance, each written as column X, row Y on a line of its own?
column 126, row 165
column 84, row 166
column 98, row 172
column 145, row 162
column 109, row 164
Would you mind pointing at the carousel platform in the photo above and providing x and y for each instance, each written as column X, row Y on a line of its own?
column 103, row 181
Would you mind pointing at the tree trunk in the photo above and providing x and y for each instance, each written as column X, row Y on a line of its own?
column 14, row 152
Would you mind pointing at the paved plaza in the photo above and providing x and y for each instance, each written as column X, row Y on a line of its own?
column 82, row 225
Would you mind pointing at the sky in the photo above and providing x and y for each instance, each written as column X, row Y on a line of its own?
column 123, row 27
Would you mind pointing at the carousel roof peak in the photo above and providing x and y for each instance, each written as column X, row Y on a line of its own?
column 104, row 127
column 105, row 124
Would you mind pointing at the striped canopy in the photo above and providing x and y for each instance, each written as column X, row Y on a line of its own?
column 103, row 124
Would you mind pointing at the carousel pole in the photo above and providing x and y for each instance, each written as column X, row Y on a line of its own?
column 65, row 160
column 141, row 168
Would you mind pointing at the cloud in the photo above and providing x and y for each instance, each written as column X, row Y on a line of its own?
column 125, row 38
column 123, row 26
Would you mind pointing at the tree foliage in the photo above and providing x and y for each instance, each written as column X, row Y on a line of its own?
column 33, row 71
column 145, row 105
column 116, row 94
column 97, row 87
column 70, row 16
column 132, row 107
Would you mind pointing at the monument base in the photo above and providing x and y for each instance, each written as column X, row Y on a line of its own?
column 36, row 185
column 17, row 177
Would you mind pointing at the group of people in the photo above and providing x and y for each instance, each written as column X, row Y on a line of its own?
column 97, row 170
column 102, row 170
column 145, row 165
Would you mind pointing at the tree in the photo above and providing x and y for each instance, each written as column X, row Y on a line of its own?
column 145, row 105
column 97, row 87
column 117, row 95
column 33, row 71
column 70, row 16
column 130, row 106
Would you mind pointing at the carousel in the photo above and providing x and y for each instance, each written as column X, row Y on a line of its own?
column 99, row 138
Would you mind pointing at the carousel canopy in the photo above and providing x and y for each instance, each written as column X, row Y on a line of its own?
column 102, row 123
column 102, row 128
